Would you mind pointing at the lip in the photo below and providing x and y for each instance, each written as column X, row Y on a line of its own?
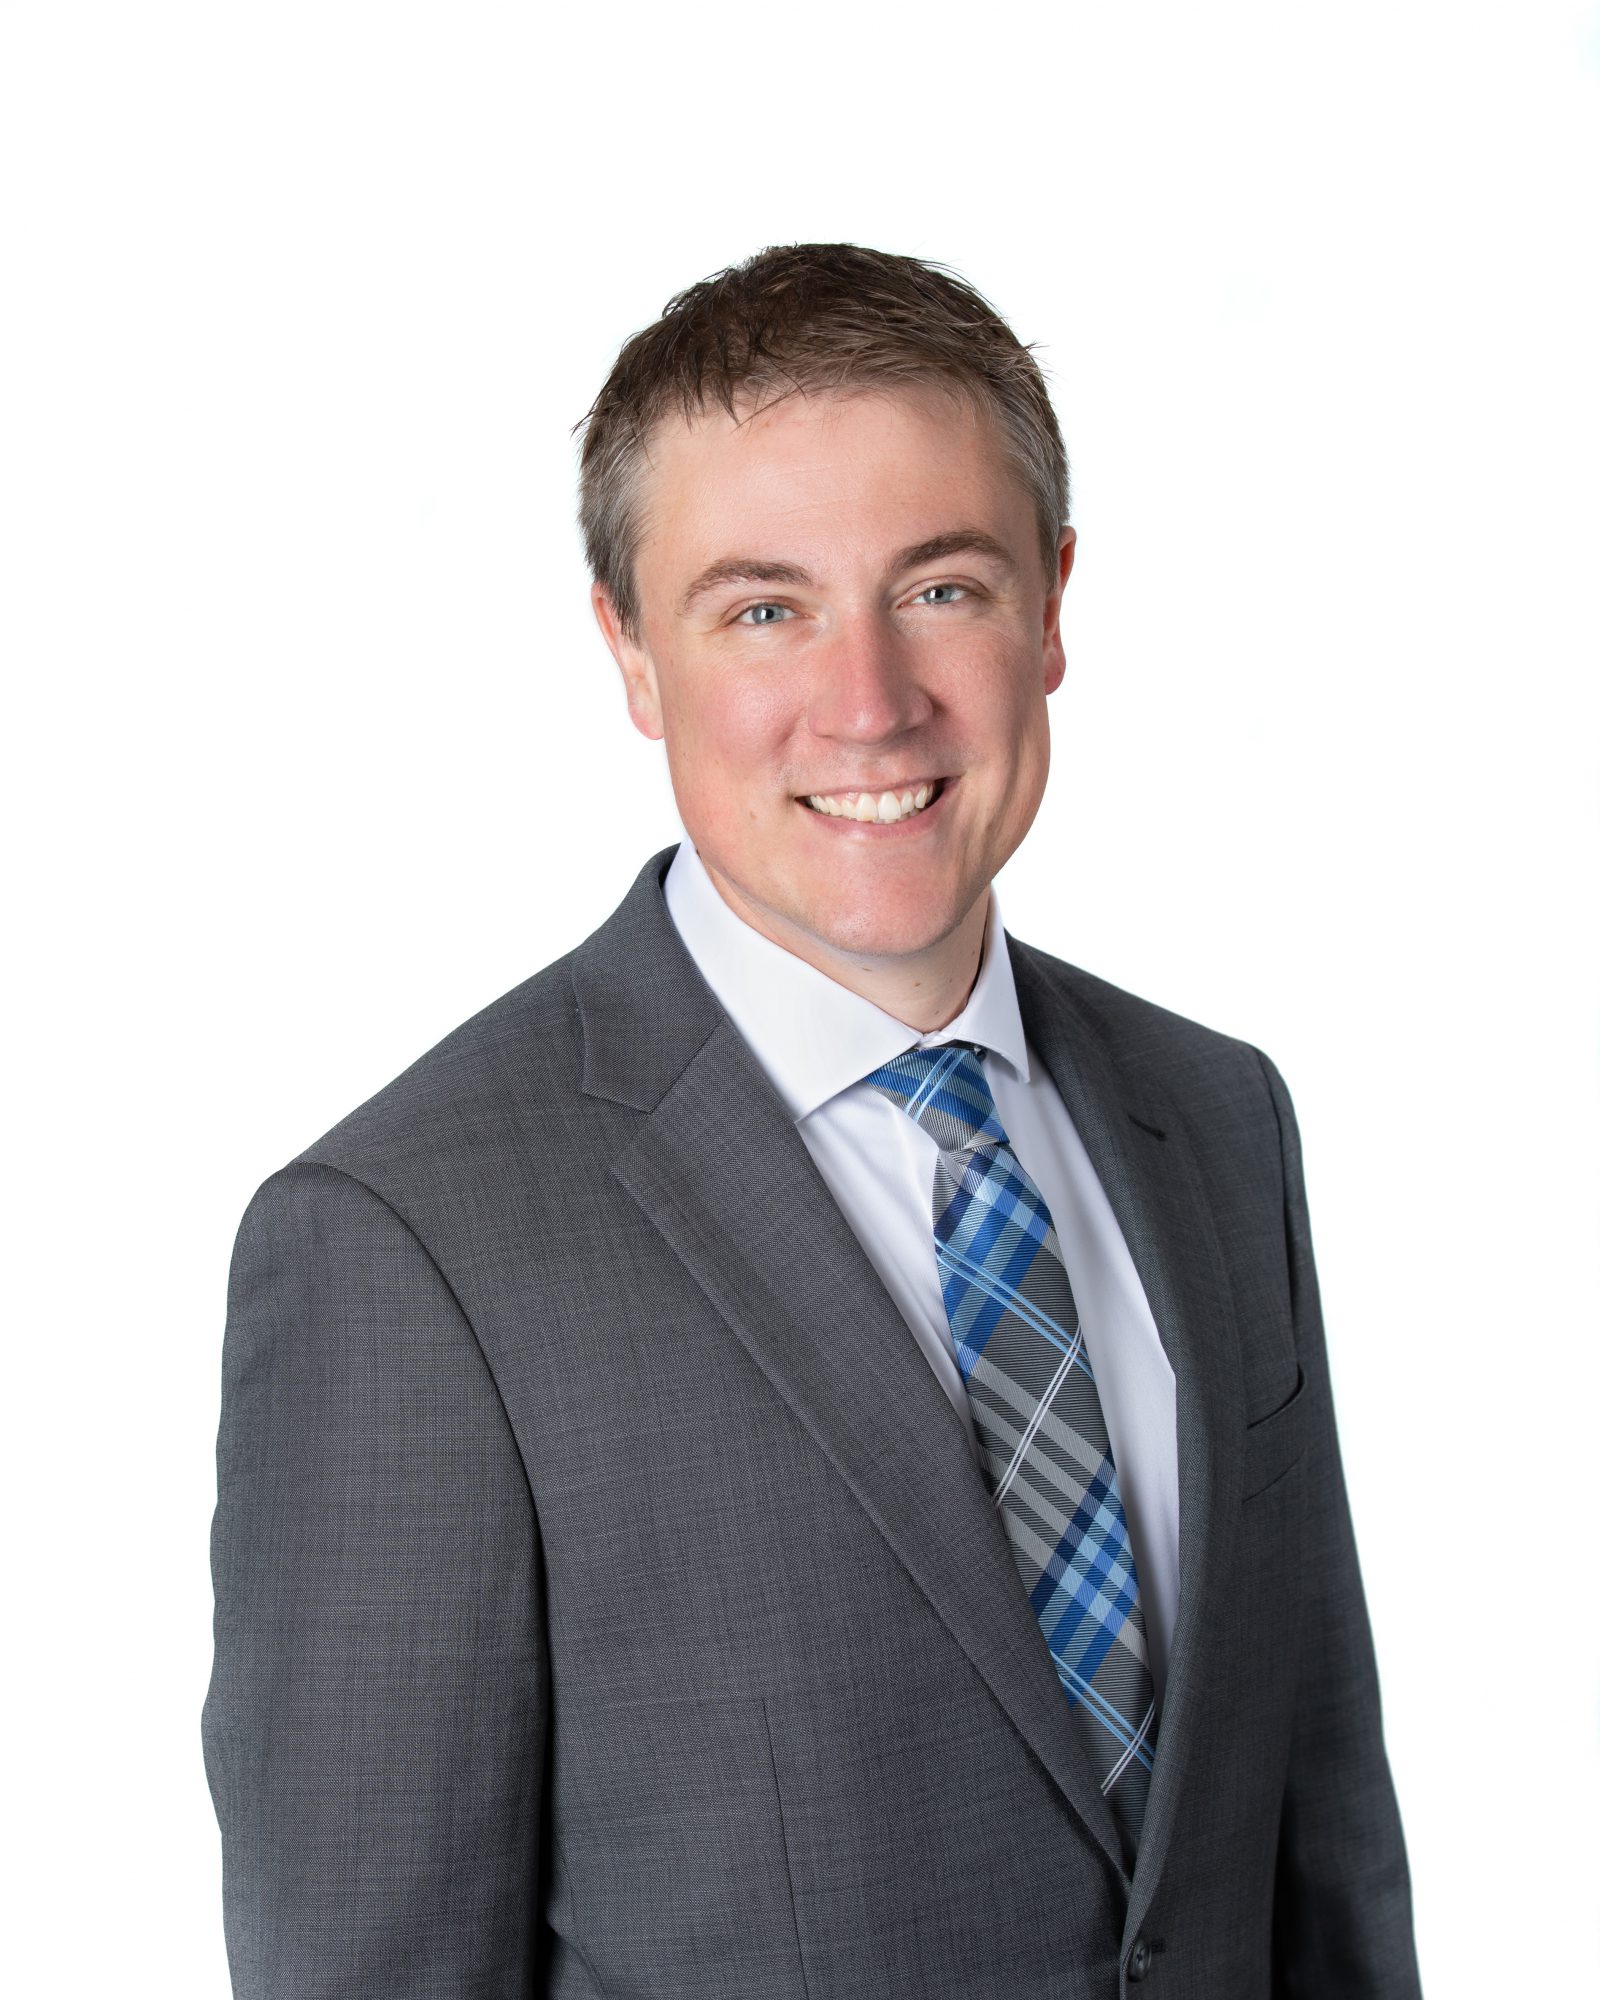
column 900, row 829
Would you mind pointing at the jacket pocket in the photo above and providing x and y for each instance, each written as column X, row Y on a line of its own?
column 1273, row 1443
column 671, row 1835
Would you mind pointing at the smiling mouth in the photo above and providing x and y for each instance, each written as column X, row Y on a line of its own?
column 877, row 808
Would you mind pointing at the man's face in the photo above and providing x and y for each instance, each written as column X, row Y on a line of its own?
column 842, row 606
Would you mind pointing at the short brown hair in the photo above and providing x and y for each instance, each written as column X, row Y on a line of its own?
column 808, row 317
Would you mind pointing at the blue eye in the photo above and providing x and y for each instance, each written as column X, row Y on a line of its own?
column 763, row 614
column 959, row 588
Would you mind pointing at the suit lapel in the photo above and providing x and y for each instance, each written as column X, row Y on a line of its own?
column 1142, row 1153
column 719, row 1169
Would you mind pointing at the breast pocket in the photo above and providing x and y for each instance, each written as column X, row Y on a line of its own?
column 1273, row 1443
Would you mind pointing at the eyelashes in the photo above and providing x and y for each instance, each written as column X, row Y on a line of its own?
column 745, row 615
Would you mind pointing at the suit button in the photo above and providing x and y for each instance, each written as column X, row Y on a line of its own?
column 1138, row 1959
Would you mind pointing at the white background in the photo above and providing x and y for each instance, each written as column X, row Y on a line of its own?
column 313, row 750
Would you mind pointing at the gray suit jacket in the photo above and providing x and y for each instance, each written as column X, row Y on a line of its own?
column 607, row 1600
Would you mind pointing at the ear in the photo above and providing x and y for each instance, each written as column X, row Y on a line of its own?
column 1055, row 659
column 638, row 669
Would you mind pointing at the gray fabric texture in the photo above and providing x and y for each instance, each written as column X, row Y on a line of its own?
column 607, row 1602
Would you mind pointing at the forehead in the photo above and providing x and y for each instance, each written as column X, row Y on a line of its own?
column 836, row 467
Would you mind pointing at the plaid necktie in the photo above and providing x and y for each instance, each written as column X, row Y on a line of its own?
column 1046, row 1454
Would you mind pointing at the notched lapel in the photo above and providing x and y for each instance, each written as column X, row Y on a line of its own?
column 1142, row 1153
column 719, row 1169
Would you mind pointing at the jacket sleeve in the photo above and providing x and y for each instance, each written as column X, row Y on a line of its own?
column 374, row 1728
column 1342, row 1926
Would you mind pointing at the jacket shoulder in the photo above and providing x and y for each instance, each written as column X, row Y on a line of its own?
column 1181, row 1056
column 460, row 1098
column 455, row 1134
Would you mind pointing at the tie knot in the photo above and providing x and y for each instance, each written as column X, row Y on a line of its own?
column 947, row 1093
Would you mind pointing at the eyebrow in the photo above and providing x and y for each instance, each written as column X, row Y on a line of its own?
column 739, row 569
column 757, row 569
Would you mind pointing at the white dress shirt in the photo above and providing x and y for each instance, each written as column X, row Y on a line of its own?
column 816, row 1040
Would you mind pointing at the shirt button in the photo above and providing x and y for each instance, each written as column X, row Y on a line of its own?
column 1138, row 1959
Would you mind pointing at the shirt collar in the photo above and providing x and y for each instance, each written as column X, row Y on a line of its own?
column 812, row 1036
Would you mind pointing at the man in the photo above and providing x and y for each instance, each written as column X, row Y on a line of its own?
column 792, row 1454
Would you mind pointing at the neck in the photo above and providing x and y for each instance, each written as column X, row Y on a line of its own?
column 925, row 989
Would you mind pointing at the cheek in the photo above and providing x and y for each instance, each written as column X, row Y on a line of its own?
column 1033, row 758
column 1016, row 739
column 1003, row 710
column 728, row 735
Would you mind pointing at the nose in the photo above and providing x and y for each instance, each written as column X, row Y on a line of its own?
column 866, row 688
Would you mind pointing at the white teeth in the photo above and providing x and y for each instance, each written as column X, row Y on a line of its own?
column 872, row 808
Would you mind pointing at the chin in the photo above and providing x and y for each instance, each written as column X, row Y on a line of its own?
column 845, row 915
column 860, row 931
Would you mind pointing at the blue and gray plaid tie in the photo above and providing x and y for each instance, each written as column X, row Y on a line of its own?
column 1046, row 1454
